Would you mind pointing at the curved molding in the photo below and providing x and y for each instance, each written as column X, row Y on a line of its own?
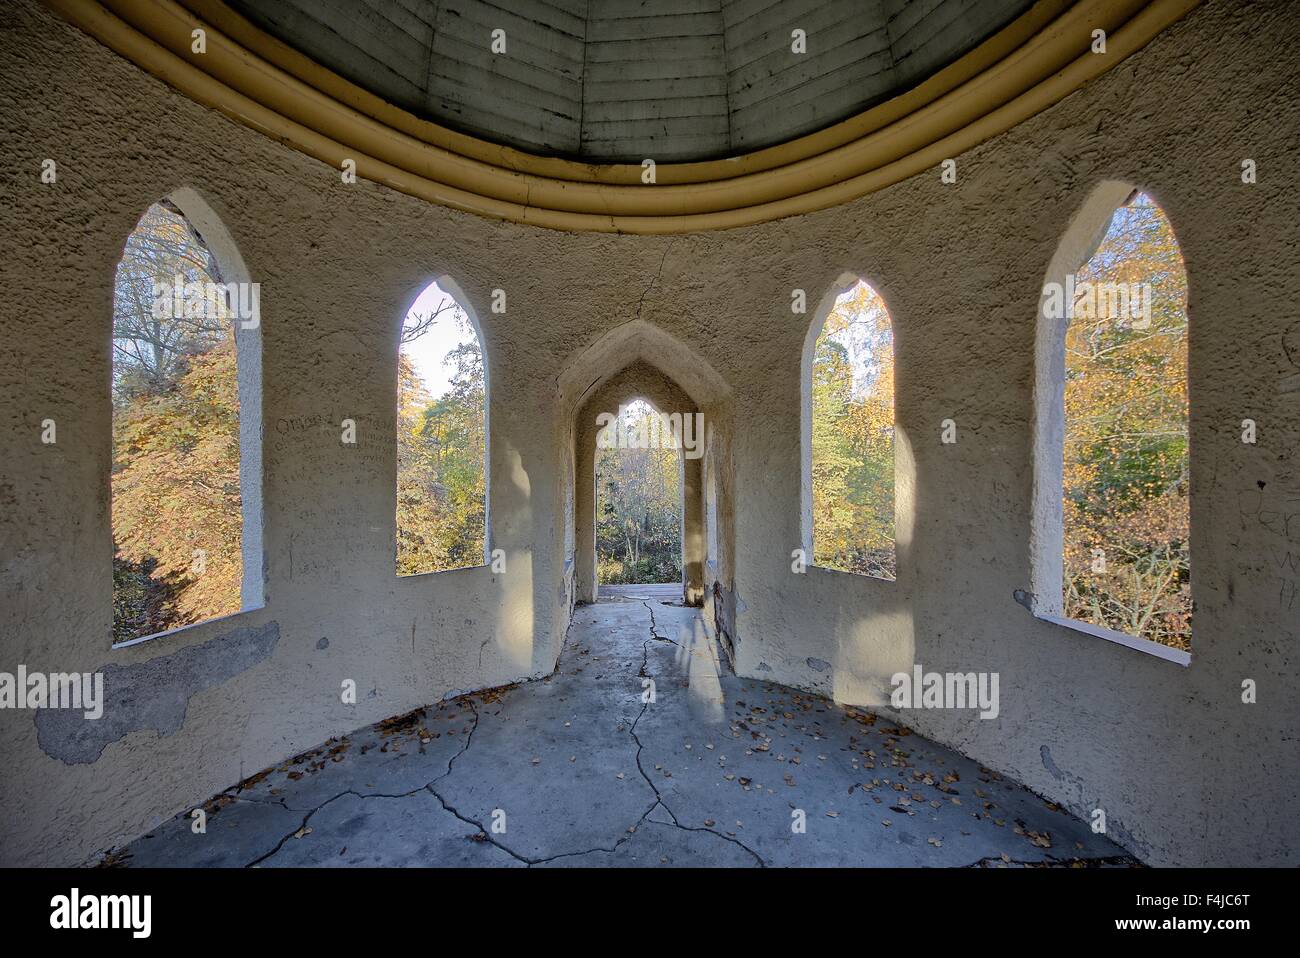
column 253, row 78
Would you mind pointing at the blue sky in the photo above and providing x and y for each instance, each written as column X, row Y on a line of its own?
column 428, row 351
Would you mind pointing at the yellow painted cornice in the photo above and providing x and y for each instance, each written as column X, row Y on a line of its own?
column 255, row 79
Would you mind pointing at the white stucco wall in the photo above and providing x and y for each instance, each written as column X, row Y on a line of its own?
column 1186, row 773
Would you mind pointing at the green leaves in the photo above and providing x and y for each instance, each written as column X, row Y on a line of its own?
column 441, row 490
column 638, row 509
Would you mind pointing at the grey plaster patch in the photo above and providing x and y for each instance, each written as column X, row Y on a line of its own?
column 152, row 695
column 818, row 665
column 1024, row 598
column 1050, row 765
column 323, row 644
column 763, row 667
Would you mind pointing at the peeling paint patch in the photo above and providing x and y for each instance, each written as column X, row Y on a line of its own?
column 152, row 695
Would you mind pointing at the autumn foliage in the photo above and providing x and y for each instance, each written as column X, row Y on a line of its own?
column 441, row 485
column 176, row 514
column 176, row 502
column 1126, row 509
column 177, row 511
column 1126, row 466
column 853, row 437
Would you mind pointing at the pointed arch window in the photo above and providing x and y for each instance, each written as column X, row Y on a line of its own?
column 186, row 400
column 1113, row 516
column 848, row 434
column 442, row 437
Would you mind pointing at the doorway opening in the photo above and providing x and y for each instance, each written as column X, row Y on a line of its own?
column 639, row 501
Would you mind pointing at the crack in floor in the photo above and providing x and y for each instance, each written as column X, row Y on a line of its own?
column 653, row 634
column 613, row 659
column 469, row 740
column 645, row 704
column 308, row 816
column 485, row 835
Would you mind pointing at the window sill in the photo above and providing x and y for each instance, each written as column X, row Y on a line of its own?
column 172, row 633
column 857, row 575
column 1176, row 656
column 406, row 576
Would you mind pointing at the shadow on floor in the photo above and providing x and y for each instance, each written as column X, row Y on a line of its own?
column 640, row 750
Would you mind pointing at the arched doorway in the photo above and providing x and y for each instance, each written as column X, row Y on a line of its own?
column 675, row 426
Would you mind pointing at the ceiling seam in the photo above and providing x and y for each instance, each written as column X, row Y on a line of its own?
column 726, row 73
column 582, row 82
column 428, row 61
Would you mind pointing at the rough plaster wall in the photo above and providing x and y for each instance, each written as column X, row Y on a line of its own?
column 1171, row 754
column 338, row 268
column 719, row 582
column 639, row 380
column 1185, row 772
column 151, row 695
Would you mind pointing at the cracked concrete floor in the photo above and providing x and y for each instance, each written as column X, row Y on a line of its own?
column 579, row 769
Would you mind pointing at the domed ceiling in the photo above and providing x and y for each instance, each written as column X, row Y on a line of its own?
column 623, row 80
column 553, row 128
